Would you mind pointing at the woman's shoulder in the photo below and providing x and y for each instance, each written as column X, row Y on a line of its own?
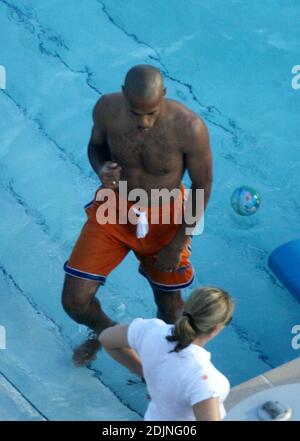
column 145, row 325
column 149, row 322
column 141, row 329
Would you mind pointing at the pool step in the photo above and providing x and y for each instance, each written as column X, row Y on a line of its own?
column 14, row 406
column 38, row 379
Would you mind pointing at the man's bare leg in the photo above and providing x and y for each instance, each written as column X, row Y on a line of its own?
column 169, row 305
column 80, row 303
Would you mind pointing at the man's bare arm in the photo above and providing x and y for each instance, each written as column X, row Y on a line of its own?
column 98, row 149
column 198, row 161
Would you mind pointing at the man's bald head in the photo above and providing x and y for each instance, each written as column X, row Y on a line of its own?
column 144, row 82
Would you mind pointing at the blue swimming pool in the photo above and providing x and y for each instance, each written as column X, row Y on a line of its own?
column 230, row 64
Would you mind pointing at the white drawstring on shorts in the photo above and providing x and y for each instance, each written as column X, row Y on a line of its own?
column 142, row 226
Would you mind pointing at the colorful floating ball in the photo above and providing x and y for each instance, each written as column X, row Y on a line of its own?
column 245, row 200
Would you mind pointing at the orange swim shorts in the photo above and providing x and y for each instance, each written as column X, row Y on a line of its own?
column 101, row 247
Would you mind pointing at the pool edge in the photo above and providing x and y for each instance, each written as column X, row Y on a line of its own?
column 284, row 374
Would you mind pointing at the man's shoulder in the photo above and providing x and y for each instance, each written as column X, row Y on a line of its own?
column 113, row 98
column 187, row 117
column 187, row 122
column 107, row 105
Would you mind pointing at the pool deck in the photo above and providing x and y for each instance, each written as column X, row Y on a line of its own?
column 285, row 374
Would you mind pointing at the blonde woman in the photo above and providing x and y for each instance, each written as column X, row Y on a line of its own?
column 182, row 382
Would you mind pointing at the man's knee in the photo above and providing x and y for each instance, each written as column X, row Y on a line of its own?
column 77, row 294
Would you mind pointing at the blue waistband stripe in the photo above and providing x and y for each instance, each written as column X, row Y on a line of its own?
column 167, row 287
column 83, row 275
column 89, row 204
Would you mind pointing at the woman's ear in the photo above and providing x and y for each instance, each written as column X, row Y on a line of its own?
column 215, row 331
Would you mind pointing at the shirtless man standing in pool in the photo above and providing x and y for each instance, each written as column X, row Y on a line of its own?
column 148, row 141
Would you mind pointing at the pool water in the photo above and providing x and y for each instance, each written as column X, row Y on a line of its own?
column 230, row 65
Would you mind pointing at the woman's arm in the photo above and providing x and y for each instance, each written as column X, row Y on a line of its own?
column 115, row 342
column 207, row 410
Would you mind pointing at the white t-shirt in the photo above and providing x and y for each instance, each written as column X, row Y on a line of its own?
column 175, row 381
